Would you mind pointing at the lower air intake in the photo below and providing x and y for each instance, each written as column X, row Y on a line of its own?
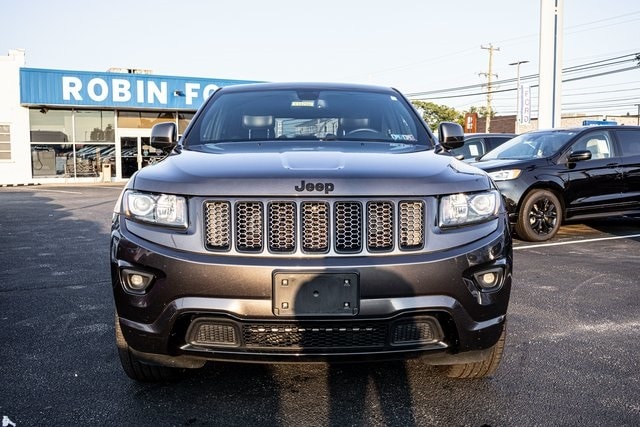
column 213, row 334
column 417, row 331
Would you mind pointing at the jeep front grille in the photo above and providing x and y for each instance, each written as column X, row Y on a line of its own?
column 314, row 227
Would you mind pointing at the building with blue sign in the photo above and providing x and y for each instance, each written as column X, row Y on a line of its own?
column 80, row 126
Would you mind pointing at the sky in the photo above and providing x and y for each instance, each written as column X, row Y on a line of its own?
column 415, row 46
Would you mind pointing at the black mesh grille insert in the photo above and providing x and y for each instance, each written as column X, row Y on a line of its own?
column 218, row 225
column 314, row 336
column 348, row 224
column 286, row 227
column 380, row 226
column 215, row 334
column 418, row 331
column 282, row 226
column 315, row 226
column 411, row 224
column 249, row 226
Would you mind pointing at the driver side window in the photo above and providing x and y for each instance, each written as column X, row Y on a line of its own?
column 598, row 143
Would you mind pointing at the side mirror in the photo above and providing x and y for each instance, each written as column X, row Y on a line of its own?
column 451, row 135
column 579, row 156
column 164, row 135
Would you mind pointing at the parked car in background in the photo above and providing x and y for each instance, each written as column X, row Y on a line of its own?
column 309, row 223
column 477, row 144
column 552, row 175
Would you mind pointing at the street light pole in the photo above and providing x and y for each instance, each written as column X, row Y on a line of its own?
column 517, row 64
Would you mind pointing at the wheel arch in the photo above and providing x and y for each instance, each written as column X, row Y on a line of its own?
column 552, row 186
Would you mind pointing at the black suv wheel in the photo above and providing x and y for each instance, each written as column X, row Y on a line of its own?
column 540, row 216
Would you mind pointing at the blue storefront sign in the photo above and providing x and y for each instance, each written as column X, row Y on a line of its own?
column 599, row 123
column 116, row 90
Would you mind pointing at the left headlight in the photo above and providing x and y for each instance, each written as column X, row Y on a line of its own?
column 462, row 209
column 161, row 209
column 505, row 175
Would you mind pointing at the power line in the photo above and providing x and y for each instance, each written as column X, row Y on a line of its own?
column 533, row 86
column 575, row 69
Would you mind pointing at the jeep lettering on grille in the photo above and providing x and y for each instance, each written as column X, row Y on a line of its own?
column 327, row 187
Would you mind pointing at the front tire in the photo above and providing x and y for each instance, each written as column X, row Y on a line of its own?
column 482, row 369
column 540, row 216
column 138, row 370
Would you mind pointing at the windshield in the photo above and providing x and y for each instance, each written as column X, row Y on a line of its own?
column 531, row 145
column 306, row 116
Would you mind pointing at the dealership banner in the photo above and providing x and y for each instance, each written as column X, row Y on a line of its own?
column 115, row 90
column 524, row 113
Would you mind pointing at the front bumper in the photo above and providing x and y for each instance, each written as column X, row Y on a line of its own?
column 398, row 295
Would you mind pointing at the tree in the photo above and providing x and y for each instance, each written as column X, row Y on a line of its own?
column 434, row 114
column 481, row 111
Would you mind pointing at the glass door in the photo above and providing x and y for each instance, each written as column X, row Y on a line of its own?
column 137, row 153
column 130, row 160
column 150, row 155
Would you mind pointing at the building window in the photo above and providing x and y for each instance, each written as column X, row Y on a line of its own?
column 143, row 120
column 49, row 160
column 72, row 144
column 5, row 142
column 51, row 141
column 94, row 126
column 51, row 125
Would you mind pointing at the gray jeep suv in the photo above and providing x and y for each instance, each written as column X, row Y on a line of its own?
column 309, row 223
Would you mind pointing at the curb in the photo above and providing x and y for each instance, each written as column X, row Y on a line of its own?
column 18, row 185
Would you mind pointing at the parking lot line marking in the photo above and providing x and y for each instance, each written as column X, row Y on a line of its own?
column 577, row 241
column 60, row 191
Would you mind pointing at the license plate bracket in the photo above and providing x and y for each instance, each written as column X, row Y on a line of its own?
column 316, row 294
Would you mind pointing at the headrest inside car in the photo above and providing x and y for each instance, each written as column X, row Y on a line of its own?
column 353, row 123
column 257, row 121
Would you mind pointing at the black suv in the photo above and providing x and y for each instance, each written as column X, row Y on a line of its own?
column 477, row 145
column 309, row 223
column 552, row 175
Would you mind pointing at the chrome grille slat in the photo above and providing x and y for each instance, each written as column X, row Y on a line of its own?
column 314, row 227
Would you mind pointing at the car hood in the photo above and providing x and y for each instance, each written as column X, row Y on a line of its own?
column 310, row 173
column 498, row 164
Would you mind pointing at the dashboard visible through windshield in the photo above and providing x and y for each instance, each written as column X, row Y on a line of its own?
column 305, row 116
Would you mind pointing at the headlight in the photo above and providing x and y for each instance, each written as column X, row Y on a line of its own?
column 505, row 175
column 162, row 209
column 462, row 209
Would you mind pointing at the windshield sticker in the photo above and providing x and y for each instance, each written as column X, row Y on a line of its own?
column 403, row 137
column 309, row 103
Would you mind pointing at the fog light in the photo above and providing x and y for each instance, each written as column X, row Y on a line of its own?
column 489, row 280
column 136, row 282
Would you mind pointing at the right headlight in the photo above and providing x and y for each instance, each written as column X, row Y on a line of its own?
column 161, row 209
column 505, row 175
column 463, row 209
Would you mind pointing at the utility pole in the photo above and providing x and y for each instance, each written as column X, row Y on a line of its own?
column 550, row 64
column 638, row 105
column 488, row 75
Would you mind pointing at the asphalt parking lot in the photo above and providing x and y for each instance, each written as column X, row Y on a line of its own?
column 571, row 356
